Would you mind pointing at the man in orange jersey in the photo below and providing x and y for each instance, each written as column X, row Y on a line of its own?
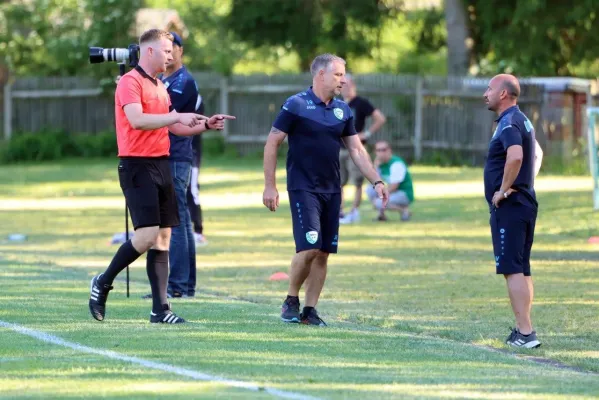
column 144, row 117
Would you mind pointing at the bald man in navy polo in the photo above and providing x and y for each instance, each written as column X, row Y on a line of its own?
column 513, row 160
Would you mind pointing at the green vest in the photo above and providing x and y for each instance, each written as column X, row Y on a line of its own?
column 406, row 185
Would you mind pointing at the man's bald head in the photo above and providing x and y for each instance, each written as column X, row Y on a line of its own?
column 503, row 92
column 509, row 83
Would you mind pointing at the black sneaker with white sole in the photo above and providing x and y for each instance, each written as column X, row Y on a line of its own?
column 97, row 298
column 290, row 310
column 512, row 335
column 311, row 318
column 526, row 341
column 166, row 316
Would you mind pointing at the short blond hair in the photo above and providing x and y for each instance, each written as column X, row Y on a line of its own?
column 152, row 35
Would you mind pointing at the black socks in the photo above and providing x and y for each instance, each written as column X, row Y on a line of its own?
column 157, row 269
column 124, row 256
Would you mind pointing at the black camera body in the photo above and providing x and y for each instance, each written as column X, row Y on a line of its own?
column 128, row 56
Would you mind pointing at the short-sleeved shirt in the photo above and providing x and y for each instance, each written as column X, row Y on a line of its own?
column 362, row 109
column 513, row 128
column 183, row 91
column 315, row 130
column 136, row 86
column 396, row 171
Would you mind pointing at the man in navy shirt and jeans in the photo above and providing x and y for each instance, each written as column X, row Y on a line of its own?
column 183, row 92
column 316, row 123
column 513, row 161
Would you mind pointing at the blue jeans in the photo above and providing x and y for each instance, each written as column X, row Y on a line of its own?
column 182, row 252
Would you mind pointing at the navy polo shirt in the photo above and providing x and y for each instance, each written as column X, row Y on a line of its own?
column 513, row 128
column 183, row 91
column 314, row 132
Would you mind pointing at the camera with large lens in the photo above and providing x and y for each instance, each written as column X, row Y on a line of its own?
column 128, row 56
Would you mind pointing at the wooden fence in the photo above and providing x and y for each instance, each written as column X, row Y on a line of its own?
column 424, row 114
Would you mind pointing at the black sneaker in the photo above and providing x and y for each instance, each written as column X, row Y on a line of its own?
column 166, row 317
column 512, row 335
column 312, row 318
column 97, row 298
column 290, row 310
column 528, row 341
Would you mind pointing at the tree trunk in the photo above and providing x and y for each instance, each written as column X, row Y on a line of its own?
column 458, row 53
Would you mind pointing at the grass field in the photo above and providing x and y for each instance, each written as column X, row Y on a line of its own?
column 414, row 309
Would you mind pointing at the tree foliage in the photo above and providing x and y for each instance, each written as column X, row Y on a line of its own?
column 51, row 37
column 527, row 37
column 533, row 37
column 343, row 27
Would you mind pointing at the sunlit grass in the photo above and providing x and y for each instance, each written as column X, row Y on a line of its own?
column 405, row 302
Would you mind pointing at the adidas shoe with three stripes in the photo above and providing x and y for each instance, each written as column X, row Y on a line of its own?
column 97, row 298
column 517, row 339
column 166, row 317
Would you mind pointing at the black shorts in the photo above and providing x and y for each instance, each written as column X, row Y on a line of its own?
column 315, row 220
column 148, row 187
column 512, row 230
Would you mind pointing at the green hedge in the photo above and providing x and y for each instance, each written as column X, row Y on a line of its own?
column 56, row 145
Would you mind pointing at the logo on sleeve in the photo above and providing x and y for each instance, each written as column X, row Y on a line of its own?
column 312, row 237
column 310, row 105
column 338, row 113
column 528, row 125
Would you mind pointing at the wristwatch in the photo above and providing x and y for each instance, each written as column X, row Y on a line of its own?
column 376, row 183
column 505, row 195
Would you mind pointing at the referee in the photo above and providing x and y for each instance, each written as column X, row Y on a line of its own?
column 144, row 116
column 512, row 164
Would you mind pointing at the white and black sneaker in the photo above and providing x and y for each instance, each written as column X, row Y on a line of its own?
column 97, row 298
column 166, row 317
column 517, row 339
column 513, row 333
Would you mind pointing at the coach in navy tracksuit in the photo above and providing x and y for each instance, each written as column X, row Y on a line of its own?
column 513, row 161
column 183, row 92
column 316, row 123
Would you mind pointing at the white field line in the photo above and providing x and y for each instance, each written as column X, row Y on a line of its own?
column 200, row 376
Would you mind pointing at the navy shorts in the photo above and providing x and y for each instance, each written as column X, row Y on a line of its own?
column 315, row 220
column 512, row 230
